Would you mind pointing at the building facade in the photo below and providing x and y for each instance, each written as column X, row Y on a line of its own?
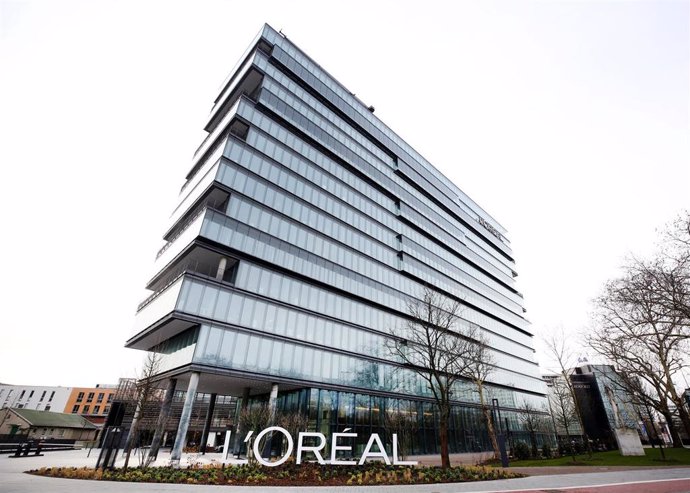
column 601, row 400
column 36, row 397
column 562, row 409
column 304, row 227
column 93, row 403
column 46, row 425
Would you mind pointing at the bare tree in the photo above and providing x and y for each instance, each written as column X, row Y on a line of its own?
column 534, row 421
column 146, row 393
column 430, row 346
column 479, row 367
column 563, row 407
column 644, row 394
column 673, row 279
column 254, row 418
column 564, row 355
column 294, row 422
column 644, row 333
column 404, row 426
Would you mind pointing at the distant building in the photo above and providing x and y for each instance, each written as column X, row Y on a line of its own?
column 91, row 402
column 36, row 397
column 562, row 409
column 601, row 399
column 41, row 425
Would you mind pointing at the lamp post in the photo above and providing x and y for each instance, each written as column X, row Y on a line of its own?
column 501, row 438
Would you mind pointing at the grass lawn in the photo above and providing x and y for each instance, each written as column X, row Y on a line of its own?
column 674, row 457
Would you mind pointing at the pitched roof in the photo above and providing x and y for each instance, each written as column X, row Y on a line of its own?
column 54, row 420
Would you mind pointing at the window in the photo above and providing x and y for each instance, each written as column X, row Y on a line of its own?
column 75, row 409
column 48, row 407
column 21, row 396
column 31, row 394
column 89, row 398
column 80, row 397
column 106, row 410
column 96, row 409
column 52, row 394
column 20, row 406
column 43, row 395
column 110, row 397
column 100, row 397
column 86, row 409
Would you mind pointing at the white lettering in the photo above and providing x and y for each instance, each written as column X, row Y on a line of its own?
column 335, row 447
column 317, row 449
column 490, row 228
column 257, row 453
column 314, row 450
column 381, row 453
column 396, row 461
column 226, row 445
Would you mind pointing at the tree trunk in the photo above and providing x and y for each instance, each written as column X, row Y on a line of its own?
column 682, row 412
column 675, row 436
column 685, row 419
column 533, row 443
column 486, row 410
column 492, row 432
column 443, row 435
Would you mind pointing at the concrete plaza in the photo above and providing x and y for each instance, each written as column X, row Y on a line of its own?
column 13, row 479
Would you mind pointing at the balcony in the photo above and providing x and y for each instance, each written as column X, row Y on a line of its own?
column 247, row 81
column 186, row 232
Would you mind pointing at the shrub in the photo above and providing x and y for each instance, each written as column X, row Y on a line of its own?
column 565, row 448
column 546, row 451
column 306, row 474
column 521, row 451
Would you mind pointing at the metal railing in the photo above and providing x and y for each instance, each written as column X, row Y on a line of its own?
column 191, row 266
column 200, row 209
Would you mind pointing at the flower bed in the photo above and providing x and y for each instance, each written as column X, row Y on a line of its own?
column 285, row 475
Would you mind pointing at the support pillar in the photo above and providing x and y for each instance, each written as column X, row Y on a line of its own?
column 238, row 431
column 163, row 417
column 207, row 423
column 272, row 403
column 221, row 268
column 133, row 428
column 181, row 437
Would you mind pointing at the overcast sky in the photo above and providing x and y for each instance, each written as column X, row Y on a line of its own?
column 567, row 121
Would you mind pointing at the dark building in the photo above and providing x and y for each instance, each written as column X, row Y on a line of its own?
column 603, row 402
column 303, row 228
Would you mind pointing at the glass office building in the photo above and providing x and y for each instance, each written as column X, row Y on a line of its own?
column 303, row 227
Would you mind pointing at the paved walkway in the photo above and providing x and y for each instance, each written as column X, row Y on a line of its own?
column 13, row 480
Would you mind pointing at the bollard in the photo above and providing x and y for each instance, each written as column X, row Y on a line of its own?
column 27, row 447
column 18, row 452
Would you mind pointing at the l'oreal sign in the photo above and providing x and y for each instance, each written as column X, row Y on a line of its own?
column 490, row 228
column 369, row 452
